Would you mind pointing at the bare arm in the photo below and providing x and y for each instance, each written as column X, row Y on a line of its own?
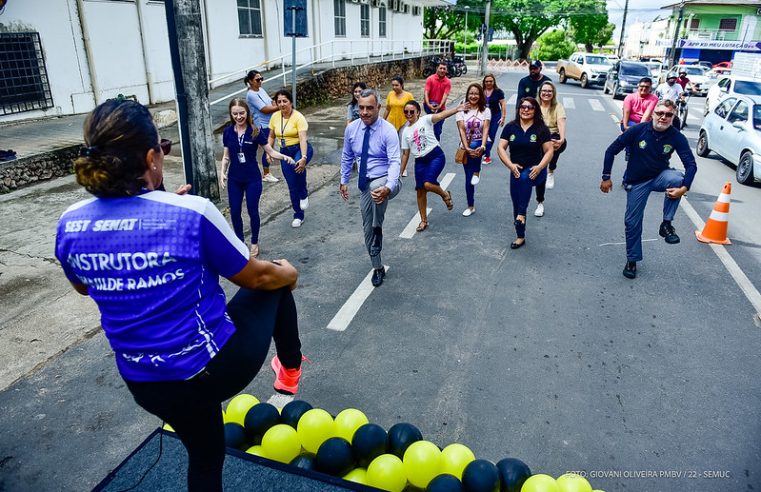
column 80, row 288
column 625, row 118
column 443, row 100
column 561, row 129
column 269, row 109
column 266, row 275
column 405, row 158
column 515, row 169
column 546, row 158
column 301, row 164
column 225, row 168
column 463, row 137
column 446, row 114
column 275, row 154
column 503, row 105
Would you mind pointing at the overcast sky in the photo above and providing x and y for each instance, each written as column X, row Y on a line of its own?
column 643, row 10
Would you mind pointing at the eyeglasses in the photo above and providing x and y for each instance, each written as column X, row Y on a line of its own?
column 546, row 92
column 663, row 114
column 409, row 112
column 166, row 146
column 526, row 107
column 259, row 79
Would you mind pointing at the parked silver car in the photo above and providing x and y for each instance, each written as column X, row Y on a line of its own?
column 733, row 130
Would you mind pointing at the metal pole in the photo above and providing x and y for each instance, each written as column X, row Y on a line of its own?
column 293, row 55
column 486, row 39
column 676, row 34
column 465, row 39
column 623, row 28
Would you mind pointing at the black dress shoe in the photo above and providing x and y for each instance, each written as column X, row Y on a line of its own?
column 378, row 276
column 668, row 232
column 630, row 270
column 515, row 245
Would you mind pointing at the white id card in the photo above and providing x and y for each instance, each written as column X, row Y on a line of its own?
column 241, row 157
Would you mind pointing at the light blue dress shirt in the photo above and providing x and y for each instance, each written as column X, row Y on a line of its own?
column 384, row 156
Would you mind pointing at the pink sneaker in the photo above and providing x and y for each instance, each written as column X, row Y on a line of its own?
column 286, row 380
column 487, row 160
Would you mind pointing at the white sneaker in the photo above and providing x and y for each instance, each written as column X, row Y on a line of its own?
column 475, row 180
column 468, row 212
column 539, row 212
column 296, row 223
column 550, row 181
column 304, row 204
column 270, row 178
column 404, row 174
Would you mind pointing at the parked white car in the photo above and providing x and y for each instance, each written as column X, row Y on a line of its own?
column 730, row 85
column 733, row 130
column 655, row 69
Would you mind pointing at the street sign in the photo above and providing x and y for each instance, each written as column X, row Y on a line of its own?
column 299, row 29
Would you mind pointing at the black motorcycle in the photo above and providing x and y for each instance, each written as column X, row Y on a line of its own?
column 454, row 69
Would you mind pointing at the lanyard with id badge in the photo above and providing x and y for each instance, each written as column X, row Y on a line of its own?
column 241, row 155
column 282, row 130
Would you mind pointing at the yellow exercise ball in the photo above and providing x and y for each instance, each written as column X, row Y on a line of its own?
column 357, row 475
column 256, row 451
column 281, row 443
column 348, row 421
column 239, row 407
column 422, row 462
column 454, row 459
column 571, row 482
column 540, row 483
column 386, row 472
column 314, row 428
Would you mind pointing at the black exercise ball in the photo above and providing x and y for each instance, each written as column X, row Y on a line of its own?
column 512, row 473
column 235, row 436
column 293, row 411
column 303, row 461
column 445, row 483
column 259, row 419
column 335, row 457
column 481, row 476
column 368, row 443
column 400, row 436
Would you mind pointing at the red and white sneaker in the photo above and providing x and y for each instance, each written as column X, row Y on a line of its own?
column 487, row 160
column 286, row 380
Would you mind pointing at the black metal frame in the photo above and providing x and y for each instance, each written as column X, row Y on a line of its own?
column 24, row 84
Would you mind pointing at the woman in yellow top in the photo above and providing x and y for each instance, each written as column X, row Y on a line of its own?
column 288, row 128
column 395, row 102
column 554, row 116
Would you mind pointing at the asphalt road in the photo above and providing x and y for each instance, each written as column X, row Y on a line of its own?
column 546, row 353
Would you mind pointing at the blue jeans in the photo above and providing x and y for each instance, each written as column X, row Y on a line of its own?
column 636, row 200
column 520, row 193
column 472, row 166
column 493, row 127
column 252, row 188
column 437, row 127
column 265, row 165
column 297, row 182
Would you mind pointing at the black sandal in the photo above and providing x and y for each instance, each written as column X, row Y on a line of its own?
column 448, row 201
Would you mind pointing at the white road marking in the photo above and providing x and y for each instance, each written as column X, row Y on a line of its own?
column 615, row 119
column 513, row 99
column 569, row 103
column 279, row 401
column 624, row 243
column 346, row 314
column 742, row 280
column 409, row 230
column 596, row 105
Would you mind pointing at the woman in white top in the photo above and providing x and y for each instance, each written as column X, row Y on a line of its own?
column 419, row 139
column 473, row 125
column 554, row 116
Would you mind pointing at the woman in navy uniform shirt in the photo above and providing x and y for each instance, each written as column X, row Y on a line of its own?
column 240, row 171
column 530, row 152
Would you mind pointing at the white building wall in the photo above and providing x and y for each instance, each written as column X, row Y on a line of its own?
column 131, row 58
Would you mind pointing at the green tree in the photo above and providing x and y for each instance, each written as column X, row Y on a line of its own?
column 527, row 19
column 589, row 23
column 554, row 45
column 447, row 22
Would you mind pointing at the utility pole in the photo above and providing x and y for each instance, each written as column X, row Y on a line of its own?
column 183, row 19
column 623, row 28
column 676, row 34
column 485, row 35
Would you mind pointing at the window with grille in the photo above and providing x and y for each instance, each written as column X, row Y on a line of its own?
column 24, row 84
column 339, row 17
column 382, row 21
column 727, row 24
column 364, row 20
column 250, row 18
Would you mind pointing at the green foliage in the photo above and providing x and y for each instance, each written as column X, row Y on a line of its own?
column 554, row 45
column 446, row 22
column 590, row 26
column 527, row 19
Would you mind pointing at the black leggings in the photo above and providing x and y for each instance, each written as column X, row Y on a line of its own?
column 542, row 187
column 193, row 407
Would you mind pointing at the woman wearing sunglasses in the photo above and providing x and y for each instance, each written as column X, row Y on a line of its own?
column 419, row 139
column 530, row 144
column 180, row 350
column 262, row 108
column 240, row 173
column 554, row 117
column 473, row 125
column 288, row 128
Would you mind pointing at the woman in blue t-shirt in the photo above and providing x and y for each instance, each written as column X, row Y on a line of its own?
column 151, row 261
column 530, row 152
column 240, row 172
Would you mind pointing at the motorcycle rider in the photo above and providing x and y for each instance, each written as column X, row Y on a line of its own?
column 674, row 92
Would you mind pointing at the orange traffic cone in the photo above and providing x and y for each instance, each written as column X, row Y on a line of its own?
column 715, row 230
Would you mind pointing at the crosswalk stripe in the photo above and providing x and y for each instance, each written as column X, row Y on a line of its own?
column 568, row 103
column 513, row 99
column 596, row 105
